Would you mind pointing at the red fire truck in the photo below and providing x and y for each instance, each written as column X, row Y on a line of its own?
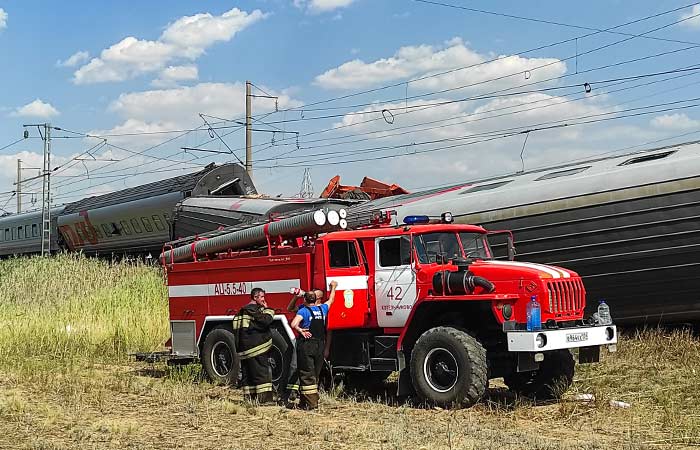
column 425, row 299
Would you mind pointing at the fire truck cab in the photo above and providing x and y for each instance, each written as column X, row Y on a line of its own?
column 426, row 300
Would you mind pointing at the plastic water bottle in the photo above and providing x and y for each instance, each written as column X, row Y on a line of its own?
column 534, row 318
column 604, row 313
column 297, row 291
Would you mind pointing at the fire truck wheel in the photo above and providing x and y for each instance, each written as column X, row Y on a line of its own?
column 220, row 360
column 549, row 382
column 280, row 357
column 448, row 368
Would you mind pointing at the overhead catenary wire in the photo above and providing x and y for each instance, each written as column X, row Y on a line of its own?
column 130, row 175
column 267, row 146
column 552, row 22
column 519, row 53
column 383, row 134
column 423, row 107
column 499, row 134
column 11, row 144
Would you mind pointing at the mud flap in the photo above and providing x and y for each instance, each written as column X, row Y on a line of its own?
column 405, row 385
column 526, row 362
column 587, row 355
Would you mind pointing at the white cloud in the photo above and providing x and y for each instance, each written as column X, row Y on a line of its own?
column 37, row 108
column 412, row 61
column 695, row 21
column 185, row 39
column 171, row 75
column 676, row 121
column 8, row 175
column 455, row 159
column 75, row 59
column 321, row 6
column 3, row 19
column 178, row 108
column 181, row 105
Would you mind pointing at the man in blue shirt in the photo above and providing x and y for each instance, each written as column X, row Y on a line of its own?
column 310, row 323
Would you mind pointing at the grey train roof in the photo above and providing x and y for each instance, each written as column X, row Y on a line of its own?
column 601, row 180
column 199, row 183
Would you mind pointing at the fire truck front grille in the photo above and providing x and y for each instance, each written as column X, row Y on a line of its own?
column 566, row 296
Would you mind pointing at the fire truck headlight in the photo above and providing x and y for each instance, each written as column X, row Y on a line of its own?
column 609, row 333
column 447, row 217
column 507, row 311
column 541, row 340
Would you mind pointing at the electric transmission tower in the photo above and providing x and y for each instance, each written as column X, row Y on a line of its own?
column 307, row 189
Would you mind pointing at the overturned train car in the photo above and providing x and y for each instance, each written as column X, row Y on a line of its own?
column 627, row 224
column 136, row 220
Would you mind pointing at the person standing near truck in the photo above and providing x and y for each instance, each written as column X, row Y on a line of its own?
column 291, row 390
column 254, row 341
column 310, row 323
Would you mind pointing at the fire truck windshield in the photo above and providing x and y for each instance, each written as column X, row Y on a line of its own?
column 430, row 245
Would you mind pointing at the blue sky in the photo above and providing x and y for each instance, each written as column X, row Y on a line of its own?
column 153, row 67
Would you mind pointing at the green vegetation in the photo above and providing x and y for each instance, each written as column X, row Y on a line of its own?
column 71, row 308
column 66, row 382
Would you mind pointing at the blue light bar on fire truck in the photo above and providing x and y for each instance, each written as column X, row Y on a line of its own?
column 413, row 220
column 445, row 217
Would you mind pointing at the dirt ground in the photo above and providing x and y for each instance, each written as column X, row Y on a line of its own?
column 142, row 407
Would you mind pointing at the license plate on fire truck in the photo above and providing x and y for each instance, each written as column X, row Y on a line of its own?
column 577, row 337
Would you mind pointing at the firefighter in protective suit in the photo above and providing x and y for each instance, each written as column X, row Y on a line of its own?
column 310, row 323
column 254, row 341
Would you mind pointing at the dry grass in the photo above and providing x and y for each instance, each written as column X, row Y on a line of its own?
column 75, row 389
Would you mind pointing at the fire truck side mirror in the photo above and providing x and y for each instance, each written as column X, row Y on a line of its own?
column 511, row 248
column 510, row 242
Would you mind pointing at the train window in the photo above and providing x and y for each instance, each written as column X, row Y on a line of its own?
column 7, row 234
column 14, row 233
column 137, row 227
column 97, row 233
column 106, row 230
column 35, row 230
column 158, row 222
column 645, row 158
column 167, row 217
column 485, row 187
column 147, row 224
column 19, row 232
column 342, row 254
column 26, row 232
column 562, row 173
column 125, row 227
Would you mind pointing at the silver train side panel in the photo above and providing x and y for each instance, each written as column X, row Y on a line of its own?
column 21, row 233
column 627, row 225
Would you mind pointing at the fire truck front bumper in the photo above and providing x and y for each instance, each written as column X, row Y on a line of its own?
column 546, row 340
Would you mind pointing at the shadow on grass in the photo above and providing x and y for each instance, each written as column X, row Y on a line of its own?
column 190, row 373
column 496, row 397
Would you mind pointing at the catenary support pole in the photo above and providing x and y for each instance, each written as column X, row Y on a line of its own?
column 248, row 130
column 19, row 186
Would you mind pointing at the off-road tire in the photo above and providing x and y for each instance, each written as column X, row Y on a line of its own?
column 549, row 382
column 280, row 357
column 449, row 368
column 219, row 358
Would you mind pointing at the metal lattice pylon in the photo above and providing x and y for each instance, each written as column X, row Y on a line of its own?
column 307, row 189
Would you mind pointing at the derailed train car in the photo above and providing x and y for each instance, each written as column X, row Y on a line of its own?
column 136, row 220
column 627, row 224
column 141, row 219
